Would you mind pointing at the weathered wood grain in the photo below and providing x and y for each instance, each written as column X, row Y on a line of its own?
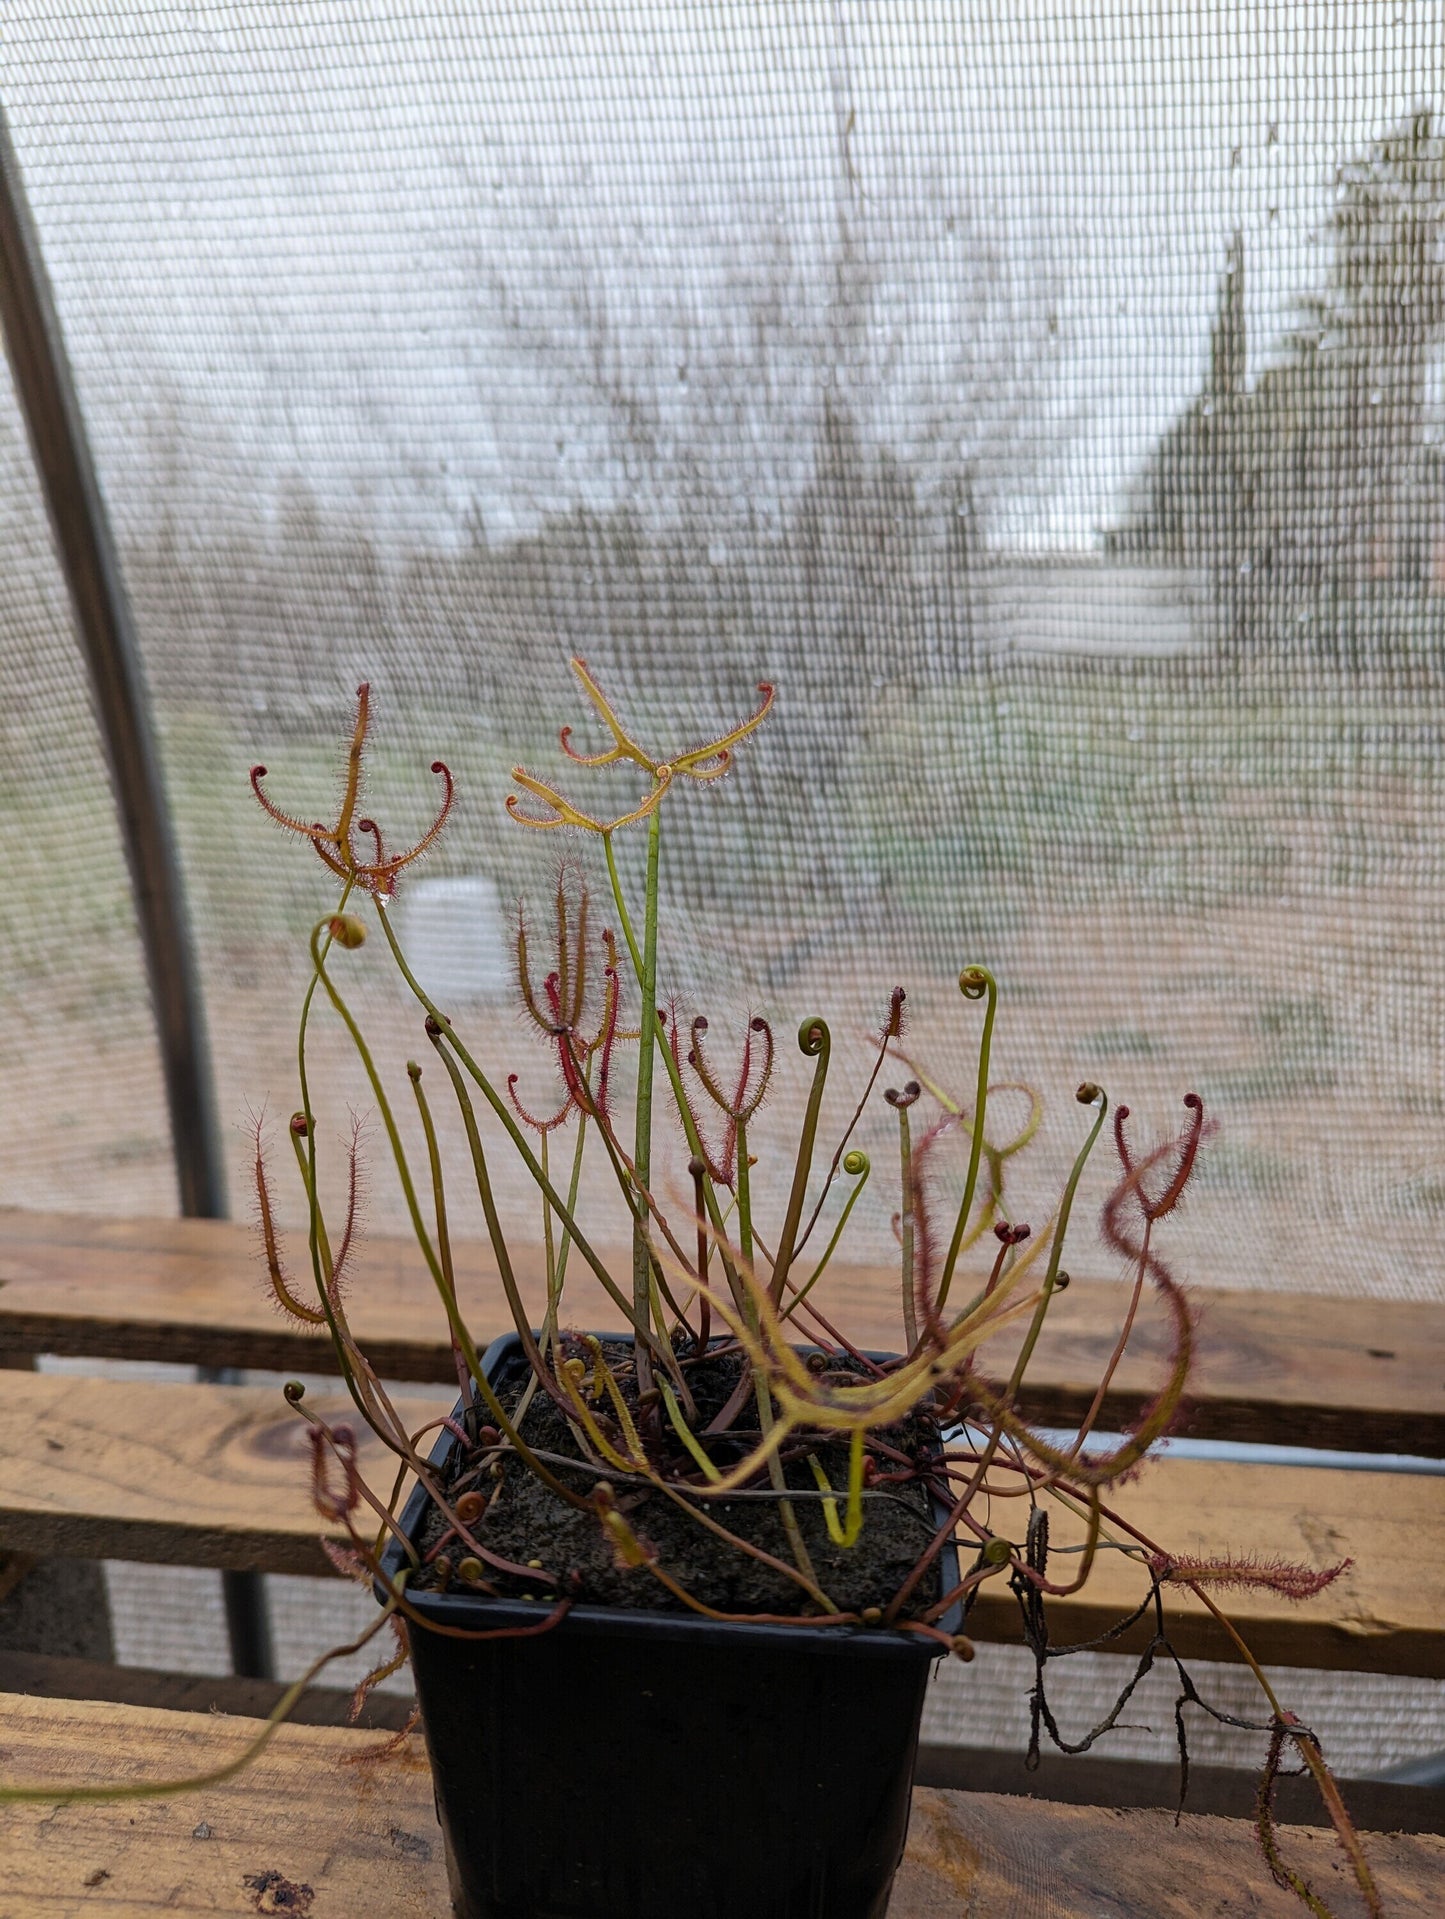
column 1087, row 1779
column 172, row 1474
column 1381, row 1615
column 218, row 1476
column 1375, row 1805
column 1021, row 1859
column 1279, row 1367
column 307, row 1830
column 54, row 1676
column 304, row 1830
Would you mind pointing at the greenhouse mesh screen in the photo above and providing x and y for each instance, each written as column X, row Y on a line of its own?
column 1048, row 395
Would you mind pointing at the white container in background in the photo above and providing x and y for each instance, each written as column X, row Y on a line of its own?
column 456, row 937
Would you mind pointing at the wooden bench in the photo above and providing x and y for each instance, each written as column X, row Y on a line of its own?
column 314, row 1827
column 213, row 1475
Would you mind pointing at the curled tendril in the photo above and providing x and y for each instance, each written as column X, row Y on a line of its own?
column 738, row 1107
column 814, row 1037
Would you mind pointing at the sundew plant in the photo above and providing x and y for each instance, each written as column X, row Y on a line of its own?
column 730, row 1403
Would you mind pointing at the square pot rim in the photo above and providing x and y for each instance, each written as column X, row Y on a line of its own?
column 479, row 1612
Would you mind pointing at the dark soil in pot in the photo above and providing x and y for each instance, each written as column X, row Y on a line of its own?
column 526, row 1521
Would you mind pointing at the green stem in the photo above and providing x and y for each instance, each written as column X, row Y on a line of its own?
column 745, row 1201
column 973, row 983
column 813, row 1039
column 549, row 1241
column 642, row 1148
column 423, row 1237
column 572, row 1187
column 685, row 1434
column 514, row 1132
column 1057, row 1249
column 315, row 1224
column 383, row 1104
column 905, row 1234
column 645, row 965
column 856, row 1165
column 659, row 1039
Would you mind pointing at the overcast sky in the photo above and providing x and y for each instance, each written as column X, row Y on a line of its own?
column 432, row 259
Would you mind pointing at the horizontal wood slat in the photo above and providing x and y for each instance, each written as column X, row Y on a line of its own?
column 1283, row 1368
column 172, row 1474
column 300, row 1831
column 55, row 1676
column 1381, row 1615
column 1089, row 1779
column 1375, row 1806
column 303, row 1830
column 217, row 1476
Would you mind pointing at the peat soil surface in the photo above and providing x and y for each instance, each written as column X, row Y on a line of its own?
column 525, row 1521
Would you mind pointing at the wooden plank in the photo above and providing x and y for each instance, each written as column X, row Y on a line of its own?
column 217, row 1476
column 1282, row 1368
column 301, row 1831
column 1382, row 1615
column 1021, row 1859
column 1375, row 1805
column 1085, row 1779
column 305, row 1831
column 172, row 1474
column 51, row 1676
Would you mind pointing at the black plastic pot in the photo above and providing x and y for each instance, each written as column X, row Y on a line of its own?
column 636, row 1765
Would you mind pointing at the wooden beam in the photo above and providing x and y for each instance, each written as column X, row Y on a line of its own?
column 1085, row 1779
column 1020, row 1859
column 1375, row 1805
column 218, row 1476
column 172, row 1474
column 1378, row 1616
column 300, row 1831
column 1282, row 1368
column 303, row 1830
column 51, row 1676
